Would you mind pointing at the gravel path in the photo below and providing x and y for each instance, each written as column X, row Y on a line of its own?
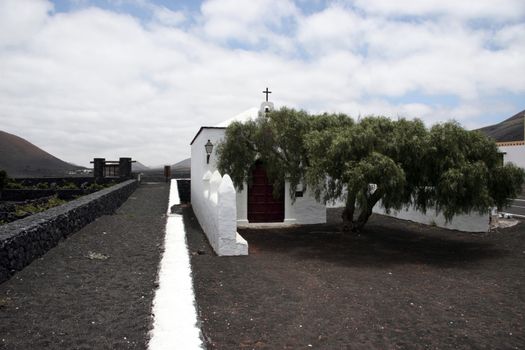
column 95, row 289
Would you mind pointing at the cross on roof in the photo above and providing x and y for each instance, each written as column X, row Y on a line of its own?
column 267, row 92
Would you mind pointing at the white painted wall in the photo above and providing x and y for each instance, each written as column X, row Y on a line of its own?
column 469, row 223
column 213, row 198
column 198, row 153
column 514, row 154
column 199, row 166
column 306, row 210
column 217, row 215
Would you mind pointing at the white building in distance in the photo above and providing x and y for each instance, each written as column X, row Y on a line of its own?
column 510, row 138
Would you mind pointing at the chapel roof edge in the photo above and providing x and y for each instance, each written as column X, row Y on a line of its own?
column 202, row 128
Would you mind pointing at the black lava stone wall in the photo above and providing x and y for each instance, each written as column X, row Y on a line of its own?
column 24, row 240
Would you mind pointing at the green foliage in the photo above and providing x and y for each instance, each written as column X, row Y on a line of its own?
column 97, row 187
column 14, row 185
column 26, row 209
column 42, row 186
column 94, row 187
column 33, row 208
column 345, row 162
column 397, row 162
column 68, row 186
column 276, row 140
column 505, row 184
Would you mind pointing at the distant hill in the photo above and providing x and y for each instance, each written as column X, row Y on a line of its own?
column 511, row 129
column 182, row 165
column 20, row 158
column 138, row 166
column 181, row 169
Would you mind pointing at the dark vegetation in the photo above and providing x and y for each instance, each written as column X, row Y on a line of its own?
column 14, row 211
column 64, row 184
column 21, row 198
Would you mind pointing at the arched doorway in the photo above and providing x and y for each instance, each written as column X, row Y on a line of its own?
column 262, row 206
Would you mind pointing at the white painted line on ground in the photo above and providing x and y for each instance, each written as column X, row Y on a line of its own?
column 517, row 206
column 519, row 200
column 175, row 316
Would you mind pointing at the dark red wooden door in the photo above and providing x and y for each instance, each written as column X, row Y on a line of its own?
column 262, row 206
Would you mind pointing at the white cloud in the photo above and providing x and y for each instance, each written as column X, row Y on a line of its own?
column 440, row 56
column 168, row 17
column 495, row 10
column 95, row 83
column 511, row 36
column 333, row 28
column 248, row 22
column 21, row 19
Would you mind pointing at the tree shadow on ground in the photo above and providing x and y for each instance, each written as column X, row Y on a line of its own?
column 384, row 242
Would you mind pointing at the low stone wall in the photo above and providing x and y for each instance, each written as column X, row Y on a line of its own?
column 24, row 240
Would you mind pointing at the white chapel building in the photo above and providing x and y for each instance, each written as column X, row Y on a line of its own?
column 220, row 208
column 255, row 203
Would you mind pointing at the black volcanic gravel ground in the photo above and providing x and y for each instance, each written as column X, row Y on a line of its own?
column 67, row 300
column 399, row 286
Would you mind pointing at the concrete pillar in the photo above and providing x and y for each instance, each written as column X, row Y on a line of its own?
column 124, row 168
column 98, row 168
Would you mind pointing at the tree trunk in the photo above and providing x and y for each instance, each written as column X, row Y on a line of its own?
column 348, row 212
column 362, row 219
column 366, row 212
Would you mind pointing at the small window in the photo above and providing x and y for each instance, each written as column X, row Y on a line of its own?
column 298, row 194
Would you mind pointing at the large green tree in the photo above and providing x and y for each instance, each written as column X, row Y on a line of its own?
column 398, row 162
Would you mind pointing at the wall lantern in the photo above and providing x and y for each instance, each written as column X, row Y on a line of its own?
column 209, row 147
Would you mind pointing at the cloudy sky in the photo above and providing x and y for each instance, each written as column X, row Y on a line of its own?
column 109, row 78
